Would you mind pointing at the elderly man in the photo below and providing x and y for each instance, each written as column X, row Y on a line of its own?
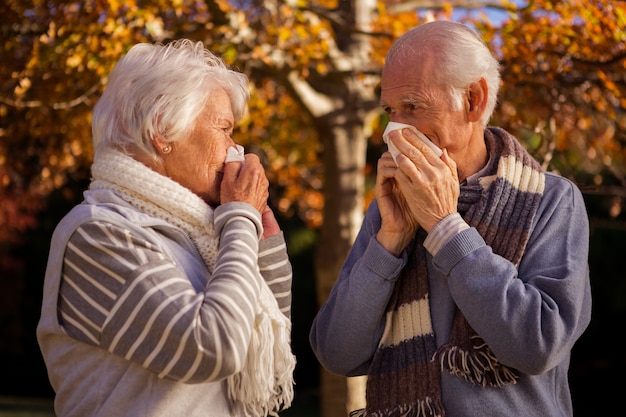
column 468, row 283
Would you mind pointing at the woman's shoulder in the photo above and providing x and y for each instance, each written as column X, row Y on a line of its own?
column 112, row 211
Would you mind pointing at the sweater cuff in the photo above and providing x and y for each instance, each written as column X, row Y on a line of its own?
column 444, row 231
column 457, row 248
column 272, row 242
column 226, row 212
column 378, row 260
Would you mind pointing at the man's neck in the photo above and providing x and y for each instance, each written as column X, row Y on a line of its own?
column 474, row 160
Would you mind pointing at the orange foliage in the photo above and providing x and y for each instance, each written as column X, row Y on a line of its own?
column 564, row 91
column 563, row 85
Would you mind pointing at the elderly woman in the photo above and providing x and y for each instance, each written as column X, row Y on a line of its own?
column 167, row 291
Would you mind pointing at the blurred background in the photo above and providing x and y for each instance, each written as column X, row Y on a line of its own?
column 314, row 119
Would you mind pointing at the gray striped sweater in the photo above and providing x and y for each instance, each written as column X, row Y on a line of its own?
column 133, row 323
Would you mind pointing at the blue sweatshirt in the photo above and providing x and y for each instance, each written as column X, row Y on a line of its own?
column 530, row 316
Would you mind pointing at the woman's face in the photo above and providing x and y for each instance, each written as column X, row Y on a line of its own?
column 197, row 162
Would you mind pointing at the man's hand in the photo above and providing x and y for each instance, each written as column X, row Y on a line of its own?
column 430, row 185
column 398, row 227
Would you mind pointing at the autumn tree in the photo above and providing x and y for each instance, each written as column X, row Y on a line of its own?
column 314, row 68
column 314, row 86
column 566, row 62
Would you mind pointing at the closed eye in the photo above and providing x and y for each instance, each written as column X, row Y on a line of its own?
column 407, row 106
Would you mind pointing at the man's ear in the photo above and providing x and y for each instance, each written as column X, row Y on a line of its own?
column 477, row 94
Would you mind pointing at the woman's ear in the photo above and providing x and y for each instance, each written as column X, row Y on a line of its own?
column 477, row 94
column 160, row 145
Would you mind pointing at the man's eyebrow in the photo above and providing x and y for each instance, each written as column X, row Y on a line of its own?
column 406, row 100
column 410, row 100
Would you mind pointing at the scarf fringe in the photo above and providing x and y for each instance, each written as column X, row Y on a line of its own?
column 428, row 407
column 265, row 384
column 479, row 365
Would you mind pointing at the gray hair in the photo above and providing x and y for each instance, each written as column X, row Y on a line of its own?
column 160, row 90
column 460, row 58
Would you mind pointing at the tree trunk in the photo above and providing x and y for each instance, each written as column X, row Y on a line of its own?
column 344, row 161
column 341, row 128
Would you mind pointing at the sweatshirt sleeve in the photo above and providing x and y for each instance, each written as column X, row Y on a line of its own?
column 530, row 316
column 347, row 328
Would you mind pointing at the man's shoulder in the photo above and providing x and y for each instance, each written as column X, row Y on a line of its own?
column 561, row 189
column 562, row 203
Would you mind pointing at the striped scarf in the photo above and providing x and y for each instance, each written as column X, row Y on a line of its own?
column 404, row 377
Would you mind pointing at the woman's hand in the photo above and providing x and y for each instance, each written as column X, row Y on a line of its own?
column 245, row 182
column 270, row 224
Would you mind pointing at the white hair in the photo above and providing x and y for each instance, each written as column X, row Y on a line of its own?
column 460, row 59
column 159, row 91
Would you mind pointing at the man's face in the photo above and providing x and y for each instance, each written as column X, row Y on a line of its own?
column 408, row 97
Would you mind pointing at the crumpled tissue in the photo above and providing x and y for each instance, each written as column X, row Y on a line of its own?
column 391, row 126
column 235, row 154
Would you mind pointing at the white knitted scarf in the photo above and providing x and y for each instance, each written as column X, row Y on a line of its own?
column 265, row 384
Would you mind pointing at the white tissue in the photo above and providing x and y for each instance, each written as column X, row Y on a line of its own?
column 234, row 154
column 391, row 126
